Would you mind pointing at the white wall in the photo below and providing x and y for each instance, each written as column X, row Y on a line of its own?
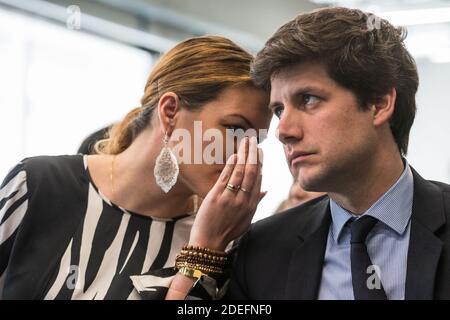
column 429, row 150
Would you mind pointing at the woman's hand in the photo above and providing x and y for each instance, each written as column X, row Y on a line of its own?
column 227, row 214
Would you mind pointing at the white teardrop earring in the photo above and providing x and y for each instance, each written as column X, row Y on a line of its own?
column 166, row 167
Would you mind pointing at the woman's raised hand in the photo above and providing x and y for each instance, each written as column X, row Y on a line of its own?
column 227, row 210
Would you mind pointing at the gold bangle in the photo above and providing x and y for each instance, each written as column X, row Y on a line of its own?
column 204, row 269
column 193, row 273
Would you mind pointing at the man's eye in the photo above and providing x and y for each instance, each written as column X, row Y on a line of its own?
column 309, row 99
column 278, row 111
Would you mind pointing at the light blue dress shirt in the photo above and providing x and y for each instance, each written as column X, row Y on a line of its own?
column 387, row 243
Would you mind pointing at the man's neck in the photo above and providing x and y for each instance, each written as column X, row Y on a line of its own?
column 365, row 189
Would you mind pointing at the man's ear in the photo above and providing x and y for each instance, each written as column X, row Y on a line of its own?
column 384, row 108
column 168, row 107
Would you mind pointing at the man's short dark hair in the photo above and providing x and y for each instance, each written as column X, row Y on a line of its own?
column 361, row 52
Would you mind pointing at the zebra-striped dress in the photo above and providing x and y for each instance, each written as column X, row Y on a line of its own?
column 60, row 238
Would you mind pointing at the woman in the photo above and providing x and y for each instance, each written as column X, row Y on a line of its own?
column 110, row 225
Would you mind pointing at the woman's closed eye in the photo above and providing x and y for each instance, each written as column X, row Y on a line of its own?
column 234, row 127
column 237, row 132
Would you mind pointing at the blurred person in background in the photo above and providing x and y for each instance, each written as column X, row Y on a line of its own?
column 297, row 196
column 87, row 146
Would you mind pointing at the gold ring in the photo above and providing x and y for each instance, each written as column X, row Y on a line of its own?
column 245, row 190
column 232, row 187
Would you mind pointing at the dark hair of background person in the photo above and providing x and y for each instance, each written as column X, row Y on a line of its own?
column 88, row 144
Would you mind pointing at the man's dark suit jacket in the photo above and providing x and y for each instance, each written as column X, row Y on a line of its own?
column 281, row 257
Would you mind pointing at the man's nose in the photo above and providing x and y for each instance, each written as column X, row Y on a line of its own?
column 289, row 129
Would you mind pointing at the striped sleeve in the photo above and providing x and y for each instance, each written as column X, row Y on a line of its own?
column 13, row 206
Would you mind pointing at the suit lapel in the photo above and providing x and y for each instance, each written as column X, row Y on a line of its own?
column 305, row 268
column 424, row 246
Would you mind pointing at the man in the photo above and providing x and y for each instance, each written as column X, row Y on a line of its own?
column 343, row 85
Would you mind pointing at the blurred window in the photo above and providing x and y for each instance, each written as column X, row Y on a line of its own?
column 59, row 85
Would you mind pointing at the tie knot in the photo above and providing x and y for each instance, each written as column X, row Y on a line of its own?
column 360, row 228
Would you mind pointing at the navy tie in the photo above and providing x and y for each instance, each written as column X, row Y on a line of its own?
column 363, row 287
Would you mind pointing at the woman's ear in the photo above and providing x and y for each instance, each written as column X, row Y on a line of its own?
column 384, row 108
column 168, row 107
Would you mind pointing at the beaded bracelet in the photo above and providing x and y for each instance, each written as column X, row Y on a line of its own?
column 208, row 261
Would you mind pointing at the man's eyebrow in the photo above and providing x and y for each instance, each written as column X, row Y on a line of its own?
column 306, row 90
column 274, row 104
column 296, row 93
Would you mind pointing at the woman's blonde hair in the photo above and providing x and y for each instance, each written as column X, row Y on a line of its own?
column 197, row 70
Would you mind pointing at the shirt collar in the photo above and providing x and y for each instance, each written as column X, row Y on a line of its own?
column 393, row 208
